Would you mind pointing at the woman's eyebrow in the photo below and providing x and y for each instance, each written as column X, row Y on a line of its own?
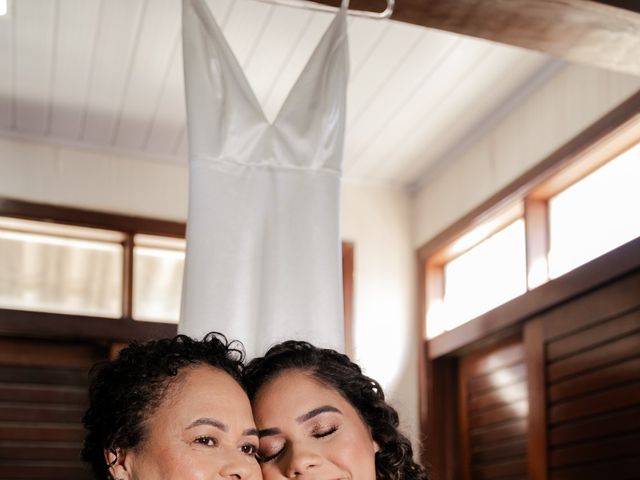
column 208, row 421
column 269, row 431
column 317, row 411
column 250, row 432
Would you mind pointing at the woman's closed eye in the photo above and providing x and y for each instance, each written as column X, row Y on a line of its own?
column 321, row 432
column 272, row 452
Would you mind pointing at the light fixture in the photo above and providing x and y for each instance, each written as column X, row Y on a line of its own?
column 3, row 7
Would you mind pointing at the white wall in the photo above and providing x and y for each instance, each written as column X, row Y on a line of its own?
column 92, row 180
column 568, row 103
column 377, row 220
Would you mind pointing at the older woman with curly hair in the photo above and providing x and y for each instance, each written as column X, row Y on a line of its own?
column 319, row 416
column 171, row 409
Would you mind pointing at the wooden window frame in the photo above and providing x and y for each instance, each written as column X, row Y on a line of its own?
column 601, row 142
column 23, row 323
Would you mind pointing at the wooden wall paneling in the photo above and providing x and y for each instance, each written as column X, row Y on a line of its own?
column 625, row 372
column 537, row 418
column 597, row 357
column 626, row 324
column 593, row 383
column 622, row 422
column 514, row 373
column 493, row 412
column 43, row 396
column 625, row 469
column 441, row 444
column 624, row 396
column 612, row 300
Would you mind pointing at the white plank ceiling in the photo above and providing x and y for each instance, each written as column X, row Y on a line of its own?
column 107, row 75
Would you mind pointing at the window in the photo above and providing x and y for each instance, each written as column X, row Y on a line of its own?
column 479, row 271
column 491, row 273
column 59, row 268
column 595, row 214
column 583, row 204
column 158, row 263
column 75, row 262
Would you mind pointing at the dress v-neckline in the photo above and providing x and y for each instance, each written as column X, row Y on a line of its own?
column 214, row 30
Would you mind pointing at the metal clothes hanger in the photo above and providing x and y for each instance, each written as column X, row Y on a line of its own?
column 309, row 5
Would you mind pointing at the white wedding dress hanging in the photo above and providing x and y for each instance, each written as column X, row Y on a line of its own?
column 263, row 257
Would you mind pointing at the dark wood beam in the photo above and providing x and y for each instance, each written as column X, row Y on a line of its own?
column 603, row 34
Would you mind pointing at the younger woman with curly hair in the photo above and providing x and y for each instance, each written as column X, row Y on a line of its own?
column 171, row 409
column 319, row 416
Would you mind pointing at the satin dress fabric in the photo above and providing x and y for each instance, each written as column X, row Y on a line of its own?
column 263, row 260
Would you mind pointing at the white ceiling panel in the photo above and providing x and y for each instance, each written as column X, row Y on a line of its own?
column 108, row 74
column 7, row 96
column 155, row 50
column 382, row 65
column 393, row 98
column 78, row 21
column 116, row 45
column 34, row 35
column 420, row 113
column 470, row 104
column 169, row 120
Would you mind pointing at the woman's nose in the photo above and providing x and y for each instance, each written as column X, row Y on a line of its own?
column 239, row 466
column 301, row 461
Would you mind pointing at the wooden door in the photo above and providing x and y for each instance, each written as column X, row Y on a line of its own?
column 493, row 412
column 592, row 384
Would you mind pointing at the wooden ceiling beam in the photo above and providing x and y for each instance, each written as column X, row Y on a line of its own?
column 603, row 34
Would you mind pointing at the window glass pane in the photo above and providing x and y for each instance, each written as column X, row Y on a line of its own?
column 158, row 264
column 78, row 273
column 491, row 273
column 596, row 214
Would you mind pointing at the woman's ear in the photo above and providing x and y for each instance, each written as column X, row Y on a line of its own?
column 119, row 466
column 376, row 447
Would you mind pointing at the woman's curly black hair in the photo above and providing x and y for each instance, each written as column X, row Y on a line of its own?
column 124, row 392
column 394, row 461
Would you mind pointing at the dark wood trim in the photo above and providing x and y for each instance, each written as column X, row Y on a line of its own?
column 536, row 387
column 463, row 420
column 511, row 314
column 582, row 31
column 87, row 218
column 423, row 368
column 127, row 277
column 348, row 289
column 536, row 226
column 20, row 323
column 441, row 445
column 602, row 130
